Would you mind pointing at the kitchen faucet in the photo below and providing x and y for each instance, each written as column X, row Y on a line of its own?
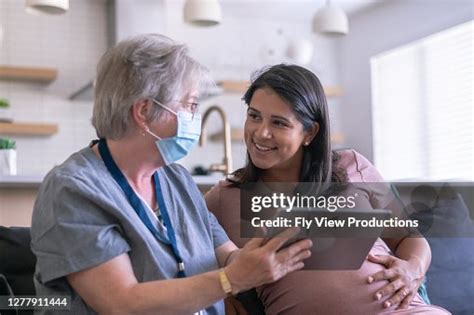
column 226, row 165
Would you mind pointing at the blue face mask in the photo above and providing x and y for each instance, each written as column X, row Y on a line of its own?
column 189, row 130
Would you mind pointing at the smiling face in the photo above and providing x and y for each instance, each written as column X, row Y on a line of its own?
column 273, row 135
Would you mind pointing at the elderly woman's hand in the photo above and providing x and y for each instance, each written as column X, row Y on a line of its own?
column 258, row 263
column 404, row 276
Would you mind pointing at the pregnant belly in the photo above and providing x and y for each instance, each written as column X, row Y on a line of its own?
column 326, row 292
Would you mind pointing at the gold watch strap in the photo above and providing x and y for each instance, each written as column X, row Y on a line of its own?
column 225, row 283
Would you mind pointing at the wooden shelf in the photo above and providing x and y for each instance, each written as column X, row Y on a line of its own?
column 28, row 129
column 235, row 86
column 338, row 138
column 237, row 134
column 30, row 74
column 232, row 86
column 333, row 91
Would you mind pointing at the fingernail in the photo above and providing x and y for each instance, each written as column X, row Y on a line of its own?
column 387, row 304
column 378, row 296
column 370, row 279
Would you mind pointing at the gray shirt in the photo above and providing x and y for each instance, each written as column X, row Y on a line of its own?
column 82, row 218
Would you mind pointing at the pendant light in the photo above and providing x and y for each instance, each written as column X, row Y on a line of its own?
column 47, row 6
column 202, row 12
column 331, row 21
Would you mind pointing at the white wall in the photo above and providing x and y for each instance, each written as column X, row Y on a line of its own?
column 135, row 17
column 239, row 46
column 378, row 29
column 72, row 43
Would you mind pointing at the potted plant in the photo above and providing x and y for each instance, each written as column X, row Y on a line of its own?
column 4, row 114
column 7, row 157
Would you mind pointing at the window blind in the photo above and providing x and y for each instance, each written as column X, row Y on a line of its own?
column 422, row 105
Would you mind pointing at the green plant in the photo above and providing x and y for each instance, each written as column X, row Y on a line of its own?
column 7, row 144
column 4, row 103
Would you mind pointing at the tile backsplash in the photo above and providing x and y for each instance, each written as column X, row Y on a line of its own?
column 72, row 43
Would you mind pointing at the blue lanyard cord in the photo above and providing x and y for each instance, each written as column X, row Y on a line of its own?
column 138, row 205
column 169, row 226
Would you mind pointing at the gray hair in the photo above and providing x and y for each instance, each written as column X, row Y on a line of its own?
column 143, row 67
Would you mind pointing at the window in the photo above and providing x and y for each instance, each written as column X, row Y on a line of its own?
column 422, row 108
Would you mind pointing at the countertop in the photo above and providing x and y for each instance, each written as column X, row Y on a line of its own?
column 33, row 181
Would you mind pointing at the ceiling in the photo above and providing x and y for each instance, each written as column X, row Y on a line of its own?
column 288, row 9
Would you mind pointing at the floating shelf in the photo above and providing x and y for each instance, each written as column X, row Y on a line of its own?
column 338, row 138
column 30, row 74
column 231, row 86
column 235, row 86
column 28, row 129
column 333, row 91
column 237, row 134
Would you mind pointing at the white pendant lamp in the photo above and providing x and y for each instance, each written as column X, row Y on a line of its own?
column 202, row 12
column 330, row 20
column 47, row 6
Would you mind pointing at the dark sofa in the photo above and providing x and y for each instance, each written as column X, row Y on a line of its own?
column 445, row 212
column 17, row 265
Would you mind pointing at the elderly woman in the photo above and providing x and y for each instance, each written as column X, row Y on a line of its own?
column 288, row 140
column 123, row 230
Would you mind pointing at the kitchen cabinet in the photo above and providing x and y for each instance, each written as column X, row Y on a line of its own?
column 18, row 194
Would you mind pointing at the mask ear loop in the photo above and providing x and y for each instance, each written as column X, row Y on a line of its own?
column 147, row 130
column 171, row 110
column 165, row 107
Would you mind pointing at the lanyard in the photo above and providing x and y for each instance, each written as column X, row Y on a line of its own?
column 138, row 205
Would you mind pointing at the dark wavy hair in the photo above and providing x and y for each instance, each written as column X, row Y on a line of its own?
column 301, row 89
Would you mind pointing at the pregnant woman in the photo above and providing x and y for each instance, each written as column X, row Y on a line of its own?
column 288, row 140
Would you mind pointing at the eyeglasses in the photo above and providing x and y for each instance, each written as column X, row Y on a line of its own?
column 192, row 107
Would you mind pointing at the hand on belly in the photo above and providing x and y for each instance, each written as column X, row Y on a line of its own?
column 326, row 292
